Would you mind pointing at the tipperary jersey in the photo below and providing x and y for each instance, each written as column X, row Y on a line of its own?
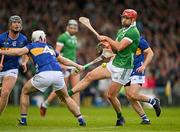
column 43, row 56
column 139, row 56
column 11, row 62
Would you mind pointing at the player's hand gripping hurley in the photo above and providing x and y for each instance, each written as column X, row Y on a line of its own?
column 105, row 54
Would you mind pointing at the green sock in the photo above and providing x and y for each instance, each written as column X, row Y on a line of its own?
column 119, row 115
column 70, row 92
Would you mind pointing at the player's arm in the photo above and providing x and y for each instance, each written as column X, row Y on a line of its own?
column 68, row 62
column 25, row 59
column 59, row 46
column 148, row 54
column 15, row 52
column 116, row 45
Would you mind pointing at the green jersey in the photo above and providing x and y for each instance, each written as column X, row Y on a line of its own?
column 69, row 44
column 125, row 58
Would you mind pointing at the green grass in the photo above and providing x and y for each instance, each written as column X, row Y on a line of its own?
column 102, row 119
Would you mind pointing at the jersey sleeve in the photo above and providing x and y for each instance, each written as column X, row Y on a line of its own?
column 26, row 41
column 1, row 42
column 29, row 46
column 61, row 40
column 131, row 35
column 143, row 44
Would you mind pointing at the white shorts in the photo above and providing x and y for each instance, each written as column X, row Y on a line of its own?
column 137, row 79
column 45, row 79
column 119, row 75
column 12, row 73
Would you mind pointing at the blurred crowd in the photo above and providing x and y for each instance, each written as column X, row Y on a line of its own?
column 158, row 21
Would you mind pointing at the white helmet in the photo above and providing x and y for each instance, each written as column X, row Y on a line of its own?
column 72, row 22
column 38, row 35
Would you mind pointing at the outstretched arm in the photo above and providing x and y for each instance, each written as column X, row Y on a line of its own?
column 15, row 52
column 68, row 62
column 148, row 57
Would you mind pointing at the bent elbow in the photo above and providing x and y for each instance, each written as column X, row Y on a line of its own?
column 152, row 53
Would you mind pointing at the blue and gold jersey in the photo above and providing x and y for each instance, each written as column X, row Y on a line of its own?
column 44, row 57
column 139, row 56
column 11, row 62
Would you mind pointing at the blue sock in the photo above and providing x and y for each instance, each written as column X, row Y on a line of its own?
column 144, row 117
column 80, row 119
column 23, row 118
column 152, row 101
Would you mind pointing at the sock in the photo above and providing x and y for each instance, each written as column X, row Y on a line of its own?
column 23, row 118
column 152, row 101
column 70, row 92
column 119, row 115
column 144, row 117
column 80, row 118
column 45, row 104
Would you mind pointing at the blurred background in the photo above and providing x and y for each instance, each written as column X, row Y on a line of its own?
column 158, row 21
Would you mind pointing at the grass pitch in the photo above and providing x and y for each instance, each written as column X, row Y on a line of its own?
column 102, row 119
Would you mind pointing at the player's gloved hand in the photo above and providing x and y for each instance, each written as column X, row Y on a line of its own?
column 99, row 48
column 77, row 69
column 1, row 67
column 80, row 67
column 141, row 69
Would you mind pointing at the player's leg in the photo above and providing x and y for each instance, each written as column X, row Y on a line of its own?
column 74, row 79
column 71, row 104
column 24, row 101
column 8, row 83
column 51, row 97
column 96, row 74
column 46, row 103
column 113, row 92
column 120, row 77
column 136, row 104
column 134, row 95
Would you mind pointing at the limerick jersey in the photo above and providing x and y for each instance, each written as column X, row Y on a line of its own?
column 11, row 62
column 125, row 58
column 69, row 44
column 44, row 57
column 139, row 56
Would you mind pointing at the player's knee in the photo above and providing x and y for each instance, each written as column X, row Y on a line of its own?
column 89, row 77
column 130, row 95
column 5, row 94
column 110, row 96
